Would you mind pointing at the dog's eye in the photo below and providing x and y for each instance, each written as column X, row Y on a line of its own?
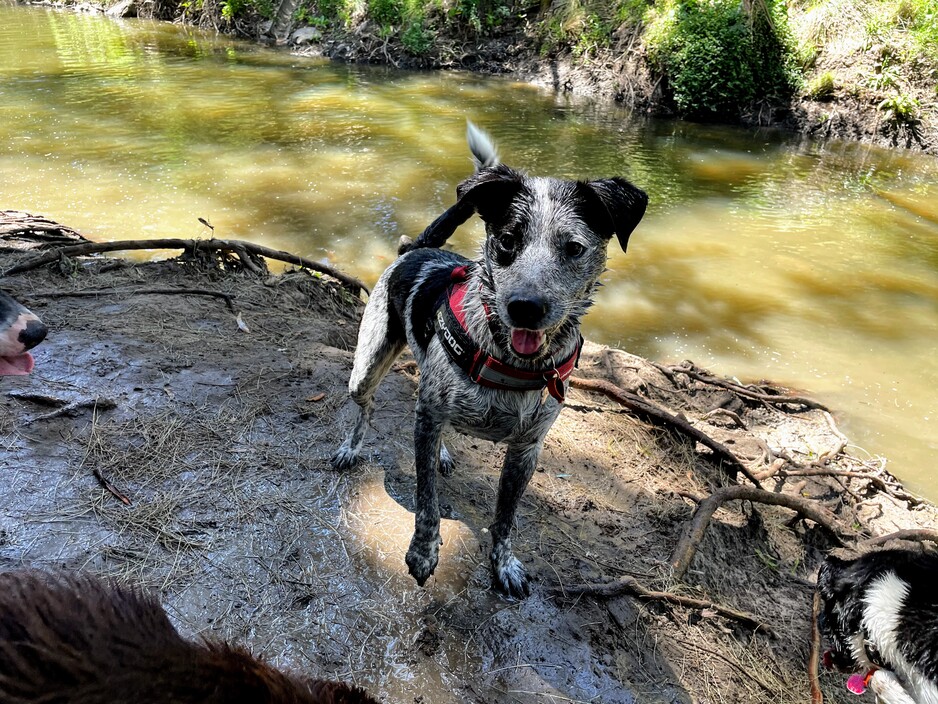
column 574, row 249
column 502, row 251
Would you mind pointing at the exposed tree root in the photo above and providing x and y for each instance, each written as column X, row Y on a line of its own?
column 658, row 416
column 26, row 229
column 229, row 300
column 247, row 252
column 740, row 389
column 922, row 534
column 629, row 585
column 694, row 531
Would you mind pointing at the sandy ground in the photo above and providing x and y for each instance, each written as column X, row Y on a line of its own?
column 218, row 438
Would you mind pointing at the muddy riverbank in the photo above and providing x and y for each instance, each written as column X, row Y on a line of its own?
column 217, row 432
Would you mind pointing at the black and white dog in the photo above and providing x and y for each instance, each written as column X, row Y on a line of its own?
column 20, row 331
column 496, row 338
column 880, row 616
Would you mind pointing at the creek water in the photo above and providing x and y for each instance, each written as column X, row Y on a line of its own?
column 762, row 255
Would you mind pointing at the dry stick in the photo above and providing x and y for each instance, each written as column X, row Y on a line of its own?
column 659, row 416
column 68, row 409
column 229, row 300
column 695, row 529
column 920, row 534
column 49, row 256
column 814, row 653
column 743, row 390
column 630, row 585
column 110, row 487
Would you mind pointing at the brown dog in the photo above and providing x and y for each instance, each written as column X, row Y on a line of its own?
column 73, row 639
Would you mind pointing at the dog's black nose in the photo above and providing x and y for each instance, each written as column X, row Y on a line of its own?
column 33, row 334
column 527, row 312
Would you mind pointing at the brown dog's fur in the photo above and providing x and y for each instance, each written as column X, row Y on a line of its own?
column 71, row 639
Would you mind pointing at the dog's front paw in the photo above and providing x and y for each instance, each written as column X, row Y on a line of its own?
column 446, row 462
column 508, row 574
column 422, row 557
column 344, row 458
column 888, row 689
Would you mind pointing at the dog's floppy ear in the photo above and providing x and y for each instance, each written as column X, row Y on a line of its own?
column 623, row 206
column 488, row 191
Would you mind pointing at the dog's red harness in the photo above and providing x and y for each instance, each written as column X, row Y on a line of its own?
column 449, row 320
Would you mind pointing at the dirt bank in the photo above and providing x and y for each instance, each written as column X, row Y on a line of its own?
column 217, row 438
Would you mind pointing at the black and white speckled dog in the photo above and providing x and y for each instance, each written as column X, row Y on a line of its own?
column 880, row 616
column 20, row 331
column 495, row 339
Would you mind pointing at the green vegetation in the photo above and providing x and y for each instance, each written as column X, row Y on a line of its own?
column 901, row 109
column 705, row 59
column 822, row 87
column 719, row 58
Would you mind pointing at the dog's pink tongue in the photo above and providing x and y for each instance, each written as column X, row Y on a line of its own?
column 856, row 683
column 526, row 342
column 20, row 365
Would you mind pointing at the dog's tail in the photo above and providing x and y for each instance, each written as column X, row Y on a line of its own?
column 484, row 154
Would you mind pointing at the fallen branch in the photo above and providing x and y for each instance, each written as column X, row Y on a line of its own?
column 660, row 417
column 814, row 654
column 694, row 531
column 741, row 390
column 229, row 300
column 629, row 585
column 913, row 534
column 239, row 247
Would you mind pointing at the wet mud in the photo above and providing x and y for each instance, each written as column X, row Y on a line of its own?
column 218, row 440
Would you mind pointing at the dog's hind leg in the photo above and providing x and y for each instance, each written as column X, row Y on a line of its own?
column 379, row 344
column 508, row 574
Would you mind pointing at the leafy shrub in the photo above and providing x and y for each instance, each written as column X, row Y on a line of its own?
column 387, row 13
column 822, row 87
column 901, row 109
column 719, row 60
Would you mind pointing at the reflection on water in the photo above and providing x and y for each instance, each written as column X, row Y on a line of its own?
column 760, row 256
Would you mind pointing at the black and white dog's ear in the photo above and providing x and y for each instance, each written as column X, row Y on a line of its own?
column 488, row 191
column 491, row 190
column 623, row 206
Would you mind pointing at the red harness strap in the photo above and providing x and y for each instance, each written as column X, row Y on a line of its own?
column 482, row 367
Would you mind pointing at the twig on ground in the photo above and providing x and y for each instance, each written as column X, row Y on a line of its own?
column 630, row 585
column 658, row 416
column 814, row 653
column 239, row 247
column 40, row 399
column 229, row 300
column 96, row 404
column 694, row 530
column 110, row 487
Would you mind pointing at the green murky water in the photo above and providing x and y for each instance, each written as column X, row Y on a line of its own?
column 761, row 255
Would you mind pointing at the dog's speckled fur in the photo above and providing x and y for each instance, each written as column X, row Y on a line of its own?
column 544, row 251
